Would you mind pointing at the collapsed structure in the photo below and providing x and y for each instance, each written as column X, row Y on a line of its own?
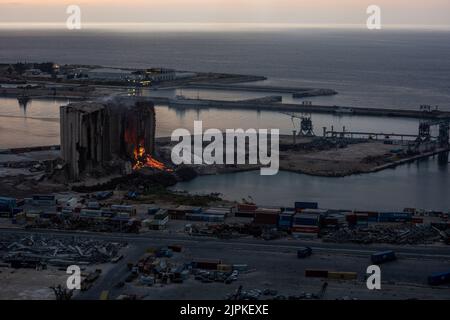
column 95, row 135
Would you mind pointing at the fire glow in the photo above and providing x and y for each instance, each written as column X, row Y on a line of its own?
column 143, row 160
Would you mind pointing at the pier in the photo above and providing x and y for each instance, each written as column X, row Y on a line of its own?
column 308, row 108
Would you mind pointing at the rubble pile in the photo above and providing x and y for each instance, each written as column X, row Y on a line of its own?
column 59, row 251
column 393, row 234
column 270, row 294
column 216, row 276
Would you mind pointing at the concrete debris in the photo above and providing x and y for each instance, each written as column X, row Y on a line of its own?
column 34, row 250
column 269, row 294
column 216, row 276
column 393, row 234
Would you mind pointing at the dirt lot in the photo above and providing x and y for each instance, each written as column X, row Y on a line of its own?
column 29, row 284
column 335, row 162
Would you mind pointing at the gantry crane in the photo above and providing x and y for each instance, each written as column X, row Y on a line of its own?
column 306, row 127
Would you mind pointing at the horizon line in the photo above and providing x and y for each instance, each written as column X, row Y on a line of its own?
column 202, row 25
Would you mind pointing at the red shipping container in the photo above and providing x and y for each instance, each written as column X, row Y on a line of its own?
column 247, row 207
column 305, row 229
column 417, row 220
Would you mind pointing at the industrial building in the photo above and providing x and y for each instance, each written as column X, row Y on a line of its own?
column 95, row 136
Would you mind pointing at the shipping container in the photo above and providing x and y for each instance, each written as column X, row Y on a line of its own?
column 439, row 279
column 382, row 257
column 319, row 212
column 44, row 200
column 103, row 195
column 224, row 267
column 207, row 264
column 108, row 213
column 243, row 214
column 285, row 220
column 247, row 207
column 305, row 229
column 7, row 204
column 220, row 210
column 240, row 267
column 93, row 205
column 153, row 210
column 342, row 275
column 175, row 248
column 306, row 205
column 313, row 273
column 161, row 214
column 123, row 215
column 351, row 219
column 205, row 217
column 179, row 213
column 16, row 211
column 212, row 211
column 394, row 217
column 266, row 217
column 417, row 220
column 124, row 208
column 87, row 213
column 306, row 220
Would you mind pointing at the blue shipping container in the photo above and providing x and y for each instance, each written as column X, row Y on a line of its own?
column 306, row 222
column 152, row 210
column 7, row 204
column 394, row 216
column 439, row 278
column 384, row 256
column 306, row 205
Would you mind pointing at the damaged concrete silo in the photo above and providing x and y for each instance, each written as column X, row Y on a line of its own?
column 97, row 135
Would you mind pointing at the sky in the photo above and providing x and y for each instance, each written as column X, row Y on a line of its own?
column 394, row 12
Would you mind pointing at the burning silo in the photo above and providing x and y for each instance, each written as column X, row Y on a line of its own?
column 98, row 135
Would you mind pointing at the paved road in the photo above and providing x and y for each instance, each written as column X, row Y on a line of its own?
column 418, row 260
column 163, row 238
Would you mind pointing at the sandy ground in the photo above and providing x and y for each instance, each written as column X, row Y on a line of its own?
column 29, row 284
column 335, row 162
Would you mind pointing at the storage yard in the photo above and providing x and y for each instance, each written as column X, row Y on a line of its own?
column 155, row 251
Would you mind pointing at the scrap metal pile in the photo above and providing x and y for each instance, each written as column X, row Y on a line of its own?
column 394, row 234
column 270, row 294
column 35, row 250
column 216, row 276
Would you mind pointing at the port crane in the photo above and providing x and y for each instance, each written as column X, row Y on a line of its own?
column 425, row 131
column 306, row 125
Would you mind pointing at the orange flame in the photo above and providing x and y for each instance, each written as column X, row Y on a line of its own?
column 145, row 160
